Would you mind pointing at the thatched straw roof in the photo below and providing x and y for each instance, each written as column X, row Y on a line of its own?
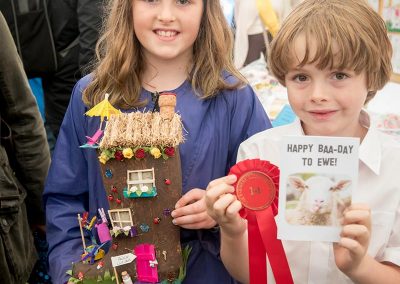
column 142, row 129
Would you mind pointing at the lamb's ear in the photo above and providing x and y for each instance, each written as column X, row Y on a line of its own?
column 297, row 183
column 341, row 185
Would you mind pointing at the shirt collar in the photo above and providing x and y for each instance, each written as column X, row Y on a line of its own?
column 370, row 150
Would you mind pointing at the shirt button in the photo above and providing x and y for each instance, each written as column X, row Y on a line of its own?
column 4, row 221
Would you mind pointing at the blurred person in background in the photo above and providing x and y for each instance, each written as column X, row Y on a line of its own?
column 24, row 162
column 56, row 41
column 256, row 23
column 75, row 27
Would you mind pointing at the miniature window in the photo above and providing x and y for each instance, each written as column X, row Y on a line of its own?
column 143, row 179
column 120, row 217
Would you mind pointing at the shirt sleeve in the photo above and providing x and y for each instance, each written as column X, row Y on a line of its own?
column 66, row 191
column 392, row 251
column 249, row 118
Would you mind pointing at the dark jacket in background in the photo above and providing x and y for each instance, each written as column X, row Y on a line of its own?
column 75, row 25
column 74, row 29
column 20, row 193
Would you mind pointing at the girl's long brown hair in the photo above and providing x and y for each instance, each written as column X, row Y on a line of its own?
column 119, row 59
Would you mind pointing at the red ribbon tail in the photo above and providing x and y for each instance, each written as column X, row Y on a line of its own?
column 273, row 246
column 257, row 257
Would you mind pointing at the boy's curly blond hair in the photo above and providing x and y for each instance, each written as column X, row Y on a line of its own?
column 352, row 25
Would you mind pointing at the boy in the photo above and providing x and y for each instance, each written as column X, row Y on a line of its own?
column 332, row 56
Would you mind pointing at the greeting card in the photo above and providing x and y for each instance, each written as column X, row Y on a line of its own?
column 318, row 175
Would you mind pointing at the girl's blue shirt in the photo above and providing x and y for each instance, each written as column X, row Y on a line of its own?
column 214, row 129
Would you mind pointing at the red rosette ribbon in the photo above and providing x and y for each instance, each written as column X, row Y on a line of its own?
column 257, row 188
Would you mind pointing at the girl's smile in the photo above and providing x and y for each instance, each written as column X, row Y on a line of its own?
column 166, row 34
column 167, row 29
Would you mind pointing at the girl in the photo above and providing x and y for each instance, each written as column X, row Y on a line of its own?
column 333, row 56
column 146, row 47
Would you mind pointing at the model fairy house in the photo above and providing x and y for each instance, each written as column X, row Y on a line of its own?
column 141, row 171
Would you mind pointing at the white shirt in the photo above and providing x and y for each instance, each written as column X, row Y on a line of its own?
column 378, row 186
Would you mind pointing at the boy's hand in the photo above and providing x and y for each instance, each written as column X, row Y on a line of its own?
column 191, row 212
column 223, row 206
column 355, row 236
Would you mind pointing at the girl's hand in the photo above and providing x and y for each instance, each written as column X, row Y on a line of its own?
column 355, row 236
column 223, row 206
column 191, row 212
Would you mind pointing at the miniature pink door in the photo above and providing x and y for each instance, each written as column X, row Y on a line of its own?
column 146, row 263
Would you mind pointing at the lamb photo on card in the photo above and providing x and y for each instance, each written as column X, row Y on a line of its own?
column 317, row 199
column 317, row 177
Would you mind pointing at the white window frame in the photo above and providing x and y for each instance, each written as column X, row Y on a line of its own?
column 140, row 181
column 120, row 223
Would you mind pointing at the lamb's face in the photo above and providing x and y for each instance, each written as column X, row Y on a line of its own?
column 318, row 195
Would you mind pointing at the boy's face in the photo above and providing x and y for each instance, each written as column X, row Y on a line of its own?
column 328, row 102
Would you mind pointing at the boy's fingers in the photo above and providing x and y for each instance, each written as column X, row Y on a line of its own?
column 218, row 191
column 231, row 179
column 359, row 233
column 357, row 216
column 234, row 208
column 352, row 245
column 223, row 202
column 359, row 206
column 226, row 208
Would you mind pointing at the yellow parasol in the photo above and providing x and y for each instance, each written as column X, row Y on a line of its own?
column 103, row 109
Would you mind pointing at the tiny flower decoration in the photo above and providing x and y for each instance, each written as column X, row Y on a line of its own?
column 103, row 158
column 169, row 151
column 140, row 153
column 118, row 155
column 155, row 152
column 128, row 153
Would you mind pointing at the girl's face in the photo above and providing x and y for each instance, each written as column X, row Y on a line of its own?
column 328, row 102
column 167, row 29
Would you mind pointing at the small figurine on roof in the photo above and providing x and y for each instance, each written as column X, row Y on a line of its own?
column 134, row 179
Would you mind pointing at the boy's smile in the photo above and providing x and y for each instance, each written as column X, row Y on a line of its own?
column 328, row 102
column 322, row 114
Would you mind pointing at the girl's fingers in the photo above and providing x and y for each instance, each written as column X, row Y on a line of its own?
column 190, row 219
column 190, row 197
column 194, row 208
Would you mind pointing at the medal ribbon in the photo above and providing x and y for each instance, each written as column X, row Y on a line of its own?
column 262, row 230
column 262, row 240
